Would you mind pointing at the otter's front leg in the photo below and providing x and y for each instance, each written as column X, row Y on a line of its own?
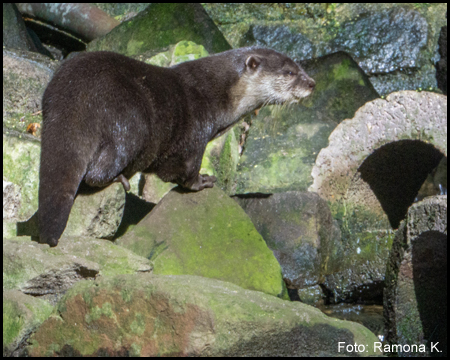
column 191, row 178
column 184, row 169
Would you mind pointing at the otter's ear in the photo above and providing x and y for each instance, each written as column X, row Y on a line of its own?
column 252, row 62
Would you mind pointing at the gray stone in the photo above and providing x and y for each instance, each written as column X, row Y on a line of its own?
column 11, row 200
column 395, row 44
column 370, row 174
column 311, row 295
column 95, row 213
column 25, row 77
column 402, row 115
column 21, row 167
column 300, row 231
column 415, row 298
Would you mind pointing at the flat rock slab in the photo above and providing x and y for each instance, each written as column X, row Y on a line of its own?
column 151, row 315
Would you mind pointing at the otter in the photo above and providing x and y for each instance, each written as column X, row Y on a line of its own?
column 107, row 116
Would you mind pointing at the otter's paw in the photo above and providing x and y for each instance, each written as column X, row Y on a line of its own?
column 202, row 181
column 207, row 181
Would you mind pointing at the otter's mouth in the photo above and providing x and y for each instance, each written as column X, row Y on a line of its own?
column 299, row 96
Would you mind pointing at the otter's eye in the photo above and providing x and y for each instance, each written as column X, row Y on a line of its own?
column 290, row 73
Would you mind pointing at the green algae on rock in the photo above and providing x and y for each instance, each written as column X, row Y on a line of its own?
column 161, row 315
column 206, row 233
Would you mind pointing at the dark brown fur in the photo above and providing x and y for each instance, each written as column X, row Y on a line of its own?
column 107, row 116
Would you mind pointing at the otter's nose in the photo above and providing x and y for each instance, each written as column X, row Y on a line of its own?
column 311, row 84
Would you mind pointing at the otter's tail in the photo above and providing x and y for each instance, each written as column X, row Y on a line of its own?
column 59, row 179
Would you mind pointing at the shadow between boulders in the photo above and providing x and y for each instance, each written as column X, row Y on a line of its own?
column 429, row 259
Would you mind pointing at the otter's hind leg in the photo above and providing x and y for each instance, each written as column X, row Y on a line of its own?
column 124, row 181
column 58, row 184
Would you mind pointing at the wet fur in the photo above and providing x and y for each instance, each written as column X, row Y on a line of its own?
column 106, row 116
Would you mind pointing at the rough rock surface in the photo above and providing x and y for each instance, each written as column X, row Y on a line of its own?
column 38, row 269
column 169, row 24
column 95, row 213
column 395, row 43
column 370, row 174
column 25, row 77
column 11, row 200
column 151, row 315
column 402, row 115
column 21, row 167
column 441, row 65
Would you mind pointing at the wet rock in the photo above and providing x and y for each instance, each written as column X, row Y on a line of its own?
column 311, row 295
column 395, row 44
column 396, row 34
column 300, row 231
column 281, row 38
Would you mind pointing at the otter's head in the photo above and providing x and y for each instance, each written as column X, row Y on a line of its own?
column 269, row 77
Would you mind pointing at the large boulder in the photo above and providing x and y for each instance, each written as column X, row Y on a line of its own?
column 299, row 229
column 168, row 24
column 206, row 233
column 151, row 315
